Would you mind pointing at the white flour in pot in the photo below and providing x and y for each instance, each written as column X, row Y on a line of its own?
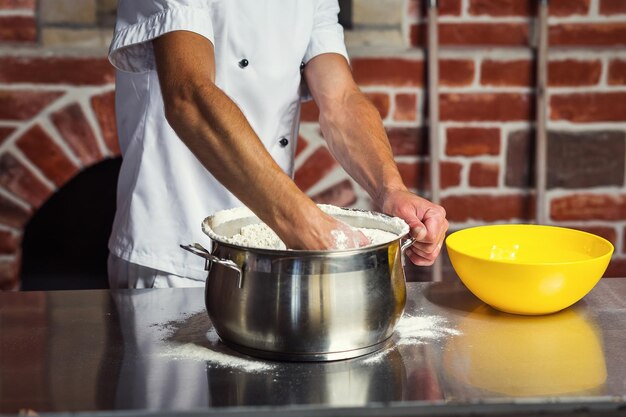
column 262, row 237
column 259, row 235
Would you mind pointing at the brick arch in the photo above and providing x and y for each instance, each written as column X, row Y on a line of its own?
column 58, row 119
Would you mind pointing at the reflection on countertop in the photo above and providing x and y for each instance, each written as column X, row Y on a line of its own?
column 157, row 350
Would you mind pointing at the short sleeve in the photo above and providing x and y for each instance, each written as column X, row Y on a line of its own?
column 327, row 34
column 140, row 21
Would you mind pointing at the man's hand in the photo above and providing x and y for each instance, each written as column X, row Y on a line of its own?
column 427, row 222
column 324, row 232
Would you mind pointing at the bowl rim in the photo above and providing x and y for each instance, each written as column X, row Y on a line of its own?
column 608, row 254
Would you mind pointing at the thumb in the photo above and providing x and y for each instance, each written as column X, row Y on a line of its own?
column 418, row 230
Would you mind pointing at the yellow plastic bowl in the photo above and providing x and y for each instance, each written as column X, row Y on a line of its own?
column 528, row 269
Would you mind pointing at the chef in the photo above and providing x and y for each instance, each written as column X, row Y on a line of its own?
column 208, row 95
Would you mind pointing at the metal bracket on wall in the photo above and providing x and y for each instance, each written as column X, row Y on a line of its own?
column 433, row 114
column 541, row 104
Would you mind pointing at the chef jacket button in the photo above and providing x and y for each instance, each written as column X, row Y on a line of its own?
column 301, row 66
column 283, row 142
column 243, row 63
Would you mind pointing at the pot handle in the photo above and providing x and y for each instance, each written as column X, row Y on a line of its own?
column 198, row 249
column 407, row 244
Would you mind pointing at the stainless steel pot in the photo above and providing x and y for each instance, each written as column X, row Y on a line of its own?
column 304, row 305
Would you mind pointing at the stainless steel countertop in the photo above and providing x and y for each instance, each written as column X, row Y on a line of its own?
column 75, row 351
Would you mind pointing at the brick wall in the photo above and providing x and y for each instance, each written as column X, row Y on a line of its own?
column 56, row 110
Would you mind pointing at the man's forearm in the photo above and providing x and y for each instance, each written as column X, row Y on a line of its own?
column 219, row 135
column 356, row 137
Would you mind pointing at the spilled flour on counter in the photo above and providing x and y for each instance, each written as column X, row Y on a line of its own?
column 194, row 352
column 415, row 330
column 193, row 339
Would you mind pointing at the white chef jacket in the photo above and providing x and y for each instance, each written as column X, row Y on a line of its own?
column 164, row 193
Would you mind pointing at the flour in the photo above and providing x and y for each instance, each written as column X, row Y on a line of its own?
column 417, row 329
column 194, row 339
column 257, row 235
column 414, row 330
column 341, row 239
column 260, row 236
column 194, row 352
column 377, row 227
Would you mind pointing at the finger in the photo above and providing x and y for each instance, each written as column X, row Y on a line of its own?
column 430, row 245
column 362, row 239
column 419, row 230
column 436, row 225
column 418, row 260
column 430, row 256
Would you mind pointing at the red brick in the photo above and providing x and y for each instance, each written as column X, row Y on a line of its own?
column 388, row 72
column 418, row 35
column 380, row 101
column 472, row 141
column 57, row 70
column 406, row 107
column 486, row 107
column 527, row 7
column 301, row 145
column 563, row 73
column 309, row 112
column 568, row 7
column 104, row 109
column 624, row 240
column 617, row 72
column 22, row 29
column 17, row 4
column 15, row 177
column 484, row 175
column 616, row 269
column 46, row 155
column 320, row 163
column 5, row 132
column 609, row 233
column 589, row 107
column 588, row 34
column 572, row 73
column 410, row 141
column 9, row 242
column 488, row 207
column 417, row 175
column 500, row 34
column 341, row 195
column 11, row 214
column 612, row 7
column 500, row 7
column 589, row 207
column 507, row 73
column 73, row 125
column 24, row 104
column 417, row 8
column 456, row 72
column 9, row 274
